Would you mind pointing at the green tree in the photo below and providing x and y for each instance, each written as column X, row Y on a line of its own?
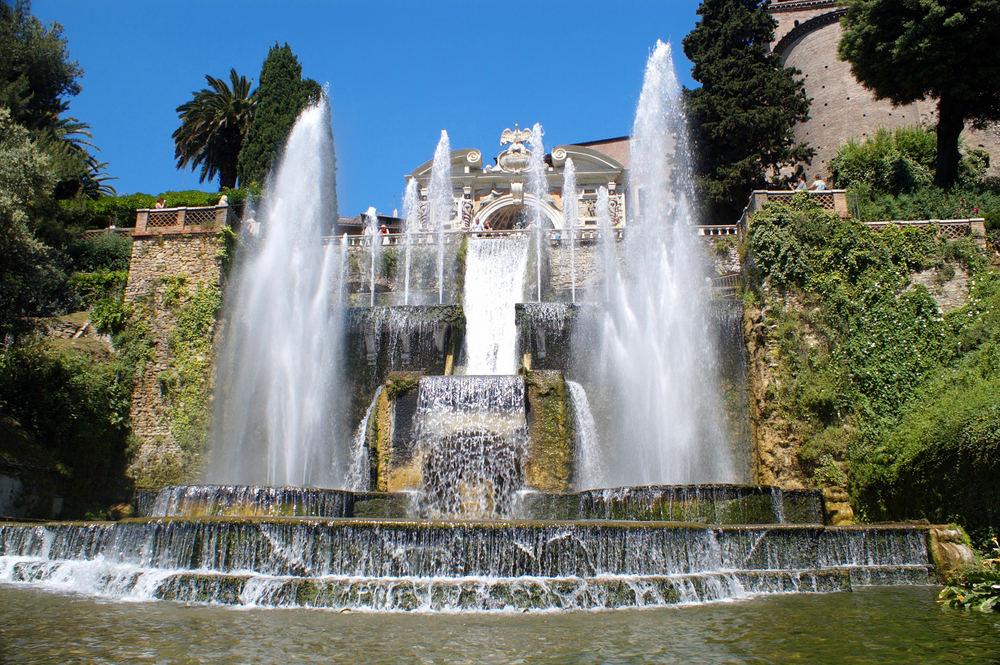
column 908, row 50
column 280, row 98
column 742, row 117
column 35, row 71
column 31, row 284
column 213, row 126
column 36, row 76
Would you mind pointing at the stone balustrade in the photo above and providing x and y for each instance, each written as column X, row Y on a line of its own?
column 209, row 219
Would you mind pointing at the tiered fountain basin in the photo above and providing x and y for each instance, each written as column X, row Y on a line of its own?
column 459, row 565
column 705, row 504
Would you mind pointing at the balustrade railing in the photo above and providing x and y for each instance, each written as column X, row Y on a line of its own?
column 183, row 220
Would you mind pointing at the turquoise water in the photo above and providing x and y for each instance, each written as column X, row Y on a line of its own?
column 874, row 625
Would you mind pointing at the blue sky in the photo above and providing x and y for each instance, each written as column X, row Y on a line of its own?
column 398, row 74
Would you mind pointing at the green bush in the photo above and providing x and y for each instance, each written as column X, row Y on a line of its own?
column 121, row 210
column 894, row 162
column 107, row 251
column 77, row 409
column 887, row 394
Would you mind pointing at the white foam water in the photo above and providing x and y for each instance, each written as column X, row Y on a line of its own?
column 494, row 283
column 278, row 395
column 650, row 358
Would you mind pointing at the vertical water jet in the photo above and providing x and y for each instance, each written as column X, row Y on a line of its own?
column 411, row 215
column 569, row 219
column 277, row 396
column 441, row 201
column 652, row 368
column 539, row 188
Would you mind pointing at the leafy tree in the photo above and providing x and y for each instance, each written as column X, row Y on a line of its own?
column 35, row 71
column 743, row 114
column 36, row 76
column 213, row 126
column 908, row 50
column 280, row 98
column 31, row 283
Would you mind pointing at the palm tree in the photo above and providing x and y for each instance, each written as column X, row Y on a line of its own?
column 212, row 128
column 77, row 171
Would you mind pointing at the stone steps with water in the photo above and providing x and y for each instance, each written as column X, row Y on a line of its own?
column 408, row 564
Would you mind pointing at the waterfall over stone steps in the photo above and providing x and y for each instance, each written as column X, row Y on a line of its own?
column 436, row 565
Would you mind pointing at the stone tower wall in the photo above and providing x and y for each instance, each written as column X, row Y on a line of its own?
column 165, row 271
column 841, row 107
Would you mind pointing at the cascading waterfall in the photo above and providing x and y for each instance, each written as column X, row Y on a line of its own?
column 360, row 471
column 539, row 188
column 441, row 202
column 278, row 393
column 403, row 565
column 494, row 283
column 652, row 368
column 411, row 213
column 472, row 435
column 588, row 446
column 569, row 219
column 628, row 527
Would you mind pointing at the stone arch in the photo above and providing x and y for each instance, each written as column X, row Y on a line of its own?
column 504, row 209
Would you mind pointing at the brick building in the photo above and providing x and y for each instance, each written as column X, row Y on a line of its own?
column 806, row 38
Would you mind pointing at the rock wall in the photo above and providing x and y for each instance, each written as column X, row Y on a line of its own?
column 165, row 273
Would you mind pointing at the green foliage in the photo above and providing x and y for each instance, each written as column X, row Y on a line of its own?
column 35, row 71
column 893, row 162
column 743, row 114
column 120, row 211
column 105, row 252
column 977, row 588
column 967, row 199
column 35, row 77
column 77, row 409
column 32, row 275
column 280, row 98
column 888, row 394
column 213, row 126
column 99, row 285
column 389, row 258
column 185, row 385
column 909, row 50
column 229, row 241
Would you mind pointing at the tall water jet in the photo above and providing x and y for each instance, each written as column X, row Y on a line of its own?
column 569, row 220
column 374, row 242
column 277, row 395
column 607, row 240
column 539, row 188
column 654, row 362
column 411, row 215
column 494, row 283
column 441, row 201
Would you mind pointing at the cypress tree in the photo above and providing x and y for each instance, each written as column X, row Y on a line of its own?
column 743, row 114
column 281, row 96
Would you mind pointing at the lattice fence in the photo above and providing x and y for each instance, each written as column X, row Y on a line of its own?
column 162, row 219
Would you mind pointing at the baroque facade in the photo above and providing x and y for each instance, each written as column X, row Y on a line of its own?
column 497, row 195
column 806, row 38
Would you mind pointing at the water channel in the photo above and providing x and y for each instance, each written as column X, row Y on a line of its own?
column 871, row 625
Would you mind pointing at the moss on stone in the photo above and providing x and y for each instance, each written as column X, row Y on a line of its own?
column 550, row 427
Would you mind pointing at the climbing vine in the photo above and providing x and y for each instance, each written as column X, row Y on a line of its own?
column 186, row 385
column 867, row 364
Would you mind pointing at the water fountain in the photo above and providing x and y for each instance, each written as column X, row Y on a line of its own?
column 440, row 200
column 411, row 215
column 579, row 475
column 274, row 425
column 569, row 219
column 539, row 188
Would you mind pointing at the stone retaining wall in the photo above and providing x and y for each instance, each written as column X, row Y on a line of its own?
column 165, row 270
